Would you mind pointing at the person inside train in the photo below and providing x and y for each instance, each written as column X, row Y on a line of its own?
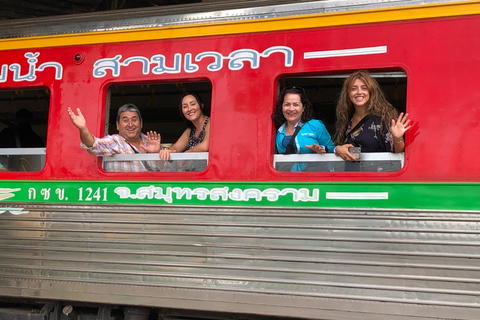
column 196, row 137
column 297, row 130
column 21, row 135
column 129, row 139
column 366, row 119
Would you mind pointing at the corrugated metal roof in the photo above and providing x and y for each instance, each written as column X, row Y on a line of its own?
column 23, row 9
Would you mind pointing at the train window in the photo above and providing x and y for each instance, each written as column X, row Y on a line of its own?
column 159, row 106
column 23, row 129
column 323, row 92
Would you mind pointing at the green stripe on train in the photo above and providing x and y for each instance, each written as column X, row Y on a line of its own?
column 438, row 196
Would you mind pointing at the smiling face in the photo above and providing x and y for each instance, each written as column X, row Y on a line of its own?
column 191, row 108
column 129, row 126
column 359, row 94
column 292, row 108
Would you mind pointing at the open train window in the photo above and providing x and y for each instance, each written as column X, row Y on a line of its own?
column 23, row 128
column 159, row 107
column 323, row 92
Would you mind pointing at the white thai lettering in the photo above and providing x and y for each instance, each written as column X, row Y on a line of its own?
column 160, row 64
column 218, row 194
column 32, row 69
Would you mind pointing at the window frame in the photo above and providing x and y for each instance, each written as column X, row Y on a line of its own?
column 298, row 80
column 204, row 85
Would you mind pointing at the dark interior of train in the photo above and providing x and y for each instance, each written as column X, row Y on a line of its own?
column 159, row 101
column 323, row 92
column 36, row 101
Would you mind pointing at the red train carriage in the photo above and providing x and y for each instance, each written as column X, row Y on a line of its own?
column 229, row 233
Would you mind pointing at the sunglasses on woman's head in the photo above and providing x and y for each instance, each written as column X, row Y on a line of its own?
column 295, row 89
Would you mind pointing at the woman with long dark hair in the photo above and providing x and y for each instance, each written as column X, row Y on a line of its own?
column 196, row 137
column 293, row 118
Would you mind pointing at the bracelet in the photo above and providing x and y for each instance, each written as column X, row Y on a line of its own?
column 399, row 141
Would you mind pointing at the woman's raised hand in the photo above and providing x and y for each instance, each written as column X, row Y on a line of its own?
column 400, row 126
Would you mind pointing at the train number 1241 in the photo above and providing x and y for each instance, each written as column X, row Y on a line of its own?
column 90, row 194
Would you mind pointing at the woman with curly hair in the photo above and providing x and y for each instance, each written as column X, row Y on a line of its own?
column 293, row 117
column 366, row 119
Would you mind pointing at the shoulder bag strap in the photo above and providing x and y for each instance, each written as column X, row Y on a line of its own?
column 359, row 124
column 145, row 164
column 290, row 143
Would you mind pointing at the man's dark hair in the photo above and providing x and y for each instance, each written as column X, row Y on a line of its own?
column 128, row 107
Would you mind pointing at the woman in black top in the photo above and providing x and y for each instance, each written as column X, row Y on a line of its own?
column 383, row 128
column 196, row 137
